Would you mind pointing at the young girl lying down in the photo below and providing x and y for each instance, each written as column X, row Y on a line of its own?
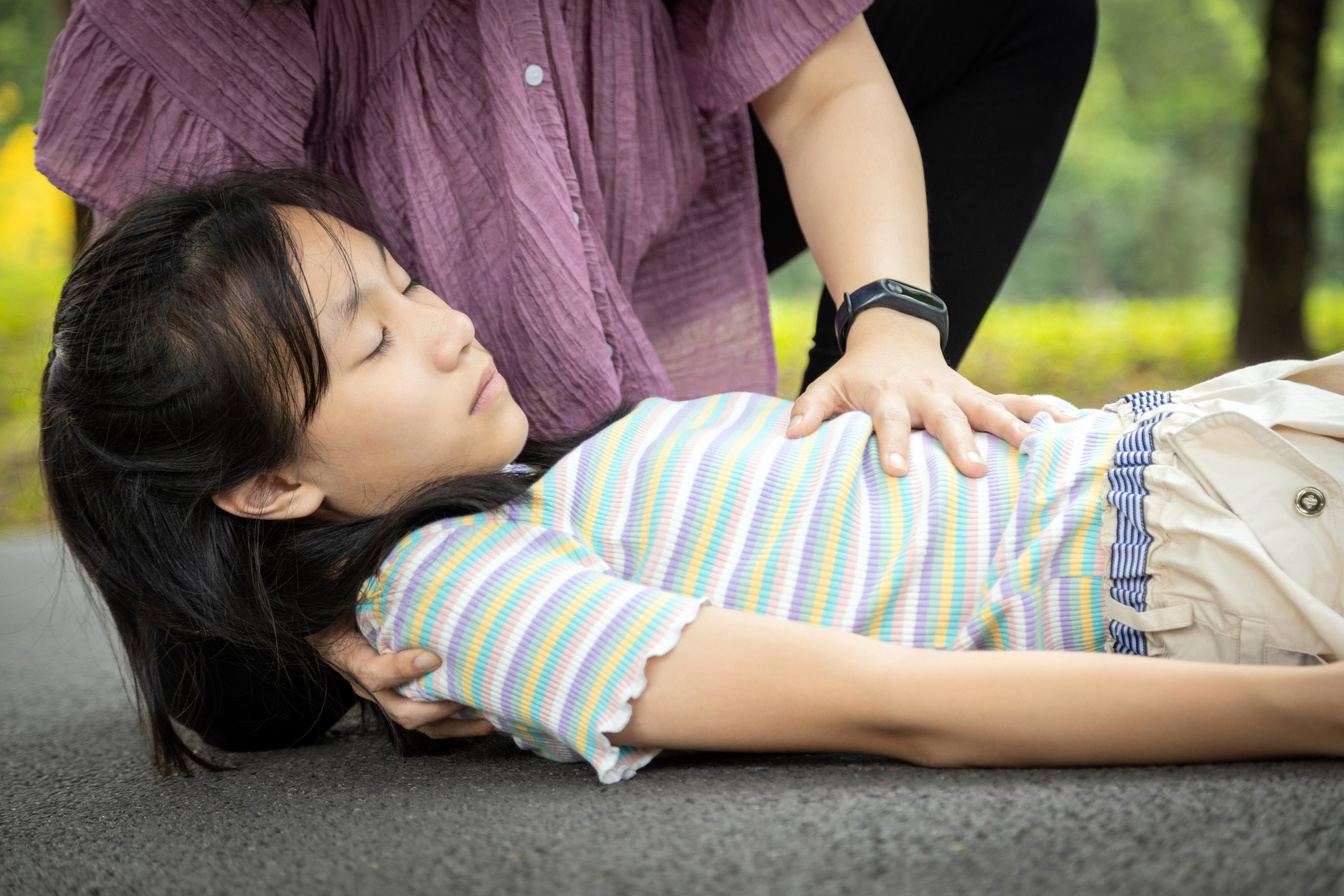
column 257, row 426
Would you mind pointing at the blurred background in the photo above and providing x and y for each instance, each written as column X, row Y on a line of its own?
column 1135, row 274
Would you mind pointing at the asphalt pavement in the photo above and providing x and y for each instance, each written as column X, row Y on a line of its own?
column 81, row 811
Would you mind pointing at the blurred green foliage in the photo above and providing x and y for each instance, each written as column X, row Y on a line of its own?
column 1149, row 195
column 27, row 301
column 27, row 28
column 1087, row 351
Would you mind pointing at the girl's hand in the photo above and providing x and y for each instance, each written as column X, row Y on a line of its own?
column 374, row 676
column 893, row 370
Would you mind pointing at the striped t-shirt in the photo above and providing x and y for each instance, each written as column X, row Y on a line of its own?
column 546, row 610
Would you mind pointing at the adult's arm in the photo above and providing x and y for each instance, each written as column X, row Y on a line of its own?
column 736, row 681
column 856, row 180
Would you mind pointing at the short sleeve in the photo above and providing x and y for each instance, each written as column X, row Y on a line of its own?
column 142, row 93
column 735, row 50
column 535, row 631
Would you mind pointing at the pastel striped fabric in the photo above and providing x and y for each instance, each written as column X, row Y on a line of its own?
column 546, row 610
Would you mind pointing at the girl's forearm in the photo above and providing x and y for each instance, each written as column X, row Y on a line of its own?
column 743, row 682
column 1054, row 708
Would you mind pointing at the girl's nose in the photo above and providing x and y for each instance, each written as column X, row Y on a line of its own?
column 453, row 333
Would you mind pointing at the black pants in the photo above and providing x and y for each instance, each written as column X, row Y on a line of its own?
column 991, row 87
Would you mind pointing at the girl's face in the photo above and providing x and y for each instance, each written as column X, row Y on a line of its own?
column 413, row 397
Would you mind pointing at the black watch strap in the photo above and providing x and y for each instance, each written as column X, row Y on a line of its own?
column 889, row 293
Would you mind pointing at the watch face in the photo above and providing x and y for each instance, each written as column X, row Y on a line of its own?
column 910, row 292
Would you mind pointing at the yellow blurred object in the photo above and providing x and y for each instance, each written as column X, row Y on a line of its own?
column 37, row 221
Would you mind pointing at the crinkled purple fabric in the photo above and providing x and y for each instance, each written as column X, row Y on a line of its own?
column 476, row 168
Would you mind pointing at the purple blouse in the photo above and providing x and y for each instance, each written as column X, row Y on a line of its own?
column 575, row 175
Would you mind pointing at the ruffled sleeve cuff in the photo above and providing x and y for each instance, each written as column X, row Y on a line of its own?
column 614, row 764
column 535, row 632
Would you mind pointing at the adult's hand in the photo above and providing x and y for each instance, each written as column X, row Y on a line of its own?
column 374, row 676
column 894, row 370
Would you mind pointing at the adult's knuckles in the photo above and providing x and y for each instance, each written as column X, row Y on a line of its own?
column 820, row 395
column 948, row 415
column 982, row 400
column 371, row 680
column 892, row 415
column 405, row 719
column 889, row 384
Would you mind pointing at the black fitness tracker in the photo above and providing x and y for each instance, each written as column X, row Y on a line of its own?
column 889, row 293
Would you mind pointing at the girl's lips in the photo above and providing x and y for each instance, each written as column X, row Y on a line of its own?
column 491, row 385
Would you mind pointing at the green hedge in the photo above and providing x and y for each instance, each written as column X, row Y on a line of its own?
column 27, row 299
column 1088, row 352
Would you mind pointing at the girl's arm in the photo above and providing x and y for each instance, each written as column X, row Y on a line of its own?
column 736, row 681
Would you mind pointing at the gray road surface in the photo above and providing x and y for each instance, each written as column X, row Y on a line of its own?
column 81, row 812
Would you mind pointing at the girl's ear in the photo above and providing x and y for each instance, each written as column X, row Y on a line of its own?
column 271, row 496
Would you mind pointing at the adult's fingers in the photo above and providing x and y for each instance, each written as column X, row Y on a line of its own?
column 987, row 413
column 1025, row 407
column 347, row 651
column 382, row 671
column 891, row 423
column 946, row 421
column 457, row 728
column 819, row 402
column 415, row 714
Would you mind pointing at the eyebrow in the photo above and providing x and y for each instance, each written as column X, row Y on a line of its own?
column 349, row 309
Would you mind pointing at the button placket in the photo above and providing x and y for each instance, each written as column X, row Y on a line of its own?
column 546, row 105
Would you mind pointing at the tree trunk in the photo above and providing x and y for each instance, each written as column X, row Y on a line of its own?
column 1278, row 211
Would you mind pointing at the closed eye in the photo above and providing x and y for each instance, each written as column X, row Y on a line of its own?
column 386, row 341
column 383, row 345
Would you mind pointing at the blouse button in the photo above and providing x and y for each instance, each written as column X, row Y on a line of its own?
column 533, row 75
column 1310, row 501
column 576, row 218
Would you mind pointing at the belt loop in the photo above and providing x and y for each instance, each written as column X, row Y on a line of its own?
column 1163, row 619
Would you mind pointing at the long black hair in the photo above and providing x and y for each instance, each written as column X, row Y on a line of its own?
column 183, row 345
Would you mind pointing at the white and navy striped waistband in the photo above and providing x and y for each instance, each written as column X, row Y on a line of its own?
column 1129, row 554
